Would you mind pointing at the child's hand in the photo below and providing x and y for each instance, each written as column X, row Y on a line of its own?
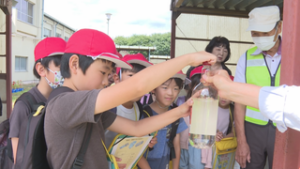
column 186, row 107
column 219, row 136
column 121, row 166
column 152, row 142
column 199, row 57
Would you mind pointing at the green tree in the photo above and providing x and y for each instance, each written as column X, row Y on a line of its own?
column 162, row 42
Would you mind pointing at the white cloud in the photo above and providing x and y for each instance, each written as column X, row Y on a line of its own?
column 128, row 16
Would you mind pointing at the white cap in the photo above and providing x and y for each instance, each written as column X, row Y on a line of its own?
column 263, row 19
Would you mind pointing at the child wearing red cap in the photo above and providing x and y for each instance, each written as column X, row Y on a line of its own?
column 47, row 54
column 193, row 158
column 132, row 109
column 89, row 57
column 168, row 143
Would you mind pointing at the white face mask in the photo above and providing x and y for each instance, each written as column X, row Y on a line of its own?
column 265, row 43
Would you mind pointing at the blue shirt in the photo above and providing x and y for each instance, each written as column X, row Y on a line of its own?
column 159, row 157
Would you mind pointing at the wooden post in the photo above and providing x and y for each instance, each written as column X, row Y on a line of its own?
column 287, row 148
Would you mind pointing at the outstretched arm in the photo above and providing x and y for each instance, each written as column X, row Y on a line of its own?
column 146, row 80
column 242, row 93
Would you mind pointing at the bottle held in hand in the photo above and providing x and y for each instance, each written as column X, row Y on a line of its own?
column 204, row 115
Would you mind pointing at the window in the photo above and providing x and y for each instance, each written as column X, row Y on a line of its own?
column 66, row 38
column 25, row 11
column 58, row 35
column 21, row 64
column 47, row 32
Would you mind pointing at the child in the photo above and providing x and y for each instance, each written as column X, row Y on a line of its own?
column 132, row 109
column 166, row 94
column 89, row 57
column 202, row 158
column 190, row 157
column 113, row 73
column 47, row 54
column 224, row 130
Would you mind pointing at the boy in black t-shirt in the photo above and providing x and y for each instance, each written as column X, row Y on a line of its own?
column 89, row 57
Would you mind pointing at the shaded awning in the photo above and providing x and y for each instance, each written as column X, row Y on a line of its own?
column 234, row 8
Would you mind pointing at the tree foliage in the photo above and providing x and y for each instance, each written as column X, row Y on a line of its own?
column 162, row 42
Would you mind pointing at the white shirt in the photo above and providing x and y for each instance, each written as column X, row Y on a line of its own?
column 281, row 105
column 129, row 113
column 272, row 62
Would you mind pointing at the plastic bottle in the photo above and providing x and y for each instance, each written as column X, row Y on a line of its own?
column 204, row 115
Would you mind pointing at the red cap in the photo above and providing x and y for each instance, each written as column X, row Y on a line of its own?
column 120, row 55
column 49, row 47
column 138, row 59
column 180, row 75
column 135, row 58
column 95, row 44
column 197, row 70
column 206, row 63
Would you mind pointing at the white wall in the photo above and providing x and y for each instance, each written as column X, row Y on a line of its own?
column 206, row 27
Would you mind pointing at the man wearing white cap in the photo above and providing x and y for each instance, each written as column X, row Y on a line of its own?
column 260, row 66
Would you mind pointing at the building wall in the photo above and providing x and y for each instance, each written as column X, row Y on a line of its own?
column 55, row 27
column 206, row 27
column 25, row 37
column 155, row 59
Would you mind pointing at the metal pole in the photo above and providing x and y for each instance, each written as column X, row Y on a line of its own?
column 107, row 26
column 8, row 65
column 173, row 33
column 287, row 149
column 42, row 29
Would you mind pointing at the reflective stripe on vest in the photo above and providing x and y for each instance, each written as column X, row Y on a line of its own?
column 257, row 73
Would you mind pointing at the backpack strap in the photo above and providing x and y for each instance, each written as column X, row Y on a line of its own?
column 58, row 91
column 147, row 111
column 79, row 160
column 173, row 135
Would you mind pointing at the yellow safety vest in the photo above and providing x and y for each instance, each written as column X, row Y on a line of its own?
column 257, row 73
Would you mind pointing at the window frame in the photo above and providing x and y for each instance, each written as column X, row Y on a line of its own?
column 18, row 64
column 50, row 31
column 21, row 15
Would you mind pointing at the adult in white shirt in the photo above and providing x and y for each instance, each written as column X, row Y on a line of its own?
column 260, row 66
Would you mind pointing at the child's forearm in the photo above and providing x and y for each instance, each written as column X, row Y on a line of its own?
column 143, row 163
column 144, row 126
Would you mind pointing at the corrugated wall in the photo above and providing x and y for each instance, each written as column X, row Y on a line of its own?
column 206, row 27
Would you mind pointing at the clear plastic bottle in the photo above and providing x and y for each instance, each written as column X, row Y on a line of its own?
column 204, row 115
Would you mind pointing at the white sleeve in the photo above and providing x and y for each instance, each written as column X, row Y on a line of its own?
column 240, row 73
column 281, row 105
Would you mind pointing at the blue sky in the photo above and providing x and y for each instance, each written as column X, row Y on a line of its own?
column 128, row 16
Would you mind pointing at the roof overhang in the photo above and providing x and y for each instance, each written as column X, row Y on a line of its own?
column 6, row 5
column 232, row 8
column 137, row 48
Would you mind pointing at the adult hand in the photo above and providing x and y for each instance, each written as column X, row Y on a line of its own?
column 242, row 154
column 220, row 79
column 219, row 136
column 121, row 166
column 199, row 57
column 152, row 142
